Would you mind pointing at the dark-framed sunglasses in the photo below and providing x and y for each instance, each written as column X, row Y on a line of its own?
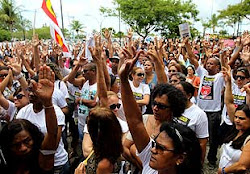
column 113, row 106
column 159, row 105
column 140, row 74
column 241, row 77
column 160, row 147
column 19, row 96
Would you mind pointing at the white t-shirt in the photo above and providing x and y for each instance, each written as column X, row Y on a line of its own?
column 58, row 98
column 12, row 110
column 38, row 119
column 74, row 93
column 239, row 99
column 145, row 156
column 88, row 92
column 139, row 92
column 209, row 94
column 62, row 87
column 196, row 119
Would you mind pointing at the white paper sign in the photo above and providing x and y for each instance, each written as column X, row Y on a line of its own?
column 184, row 30
column 90, row 42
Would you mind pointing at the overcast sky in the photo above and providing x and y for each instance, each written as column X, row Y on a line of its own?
column 87, row 12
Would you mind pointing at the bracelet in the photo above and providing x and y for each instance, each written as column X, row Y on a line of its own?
column 223, row 170
column 19, row 76
column 48, row 107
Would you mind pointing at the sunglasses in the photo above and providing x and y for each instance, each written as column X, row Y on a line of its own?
column 113, row 106
column 3, row 75
column 160, row 147
column 140, row 74
column 19, row 96
column 171, row 71
column 173, row 81
column 86, row 70
column 241, row 77
column 159, row 105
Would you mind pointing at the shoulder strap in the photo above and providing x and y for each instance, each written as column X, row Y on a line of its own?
column 246, row 140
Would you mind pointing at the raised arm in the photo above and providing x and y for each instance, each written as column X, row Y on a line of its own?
column 191, row 55
column 36, row 57
column 155, row 56
column 132, row 112
column 71, row 77
column 228, row 98
column 44, row 90
column 101, row 85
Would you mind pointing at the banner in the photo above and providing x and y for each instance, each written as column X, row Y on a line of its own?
column 47, row 8
column 184, row 30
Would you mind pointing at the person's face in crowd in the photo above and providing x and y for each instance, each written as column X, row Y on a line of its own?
column 115, row 87
column 190, row 71
column 3, row 74
column 163, row 158
column 22, row 144
column 114, row 104
column 148, row 66
column 202, row 59
column 241, row 121
column 139, row 75
column 88, row 72
column 161, row 108
column 172, row 69
column 237, row 64
column 180, row 87
column 174, row 80
column 171, row 56
column 32, row 97
column 172, row 62
column 211, row 66
column 20, row 100
column 114, row 64
column 241, row 79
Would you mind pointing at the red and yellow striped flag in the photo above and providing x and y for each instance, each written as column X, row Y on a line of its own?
column 47, row 8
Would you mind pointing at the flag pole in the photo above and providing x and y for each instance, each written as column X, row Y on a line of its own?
column 62, row 17
column 34, row 23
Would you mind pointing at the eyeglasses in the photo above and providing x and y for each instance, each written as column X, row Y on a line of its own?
column 113, row 106
column 86, row 70
column 173, row 81
column 3, row 75
column 160, row 147
column 159, row 105
column 241, row 77
column 172, row 71
column 19, row 96
column 140, row 74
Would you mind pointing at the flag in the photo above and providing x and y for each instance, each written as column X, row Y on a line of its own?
column 47, row 8
column 57, row 35
column 55, row 31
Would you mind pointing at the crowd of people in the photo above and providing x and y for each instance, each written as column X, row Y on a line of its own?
column 165, row 106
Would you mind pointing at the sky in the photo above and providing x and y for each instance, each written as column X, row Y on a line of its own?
column 87, row 12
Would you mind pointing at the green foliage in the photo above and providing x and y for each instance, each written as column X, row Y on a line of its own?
column 155, row 15
column 76, row 25
column 4, row 35
column 235, row 13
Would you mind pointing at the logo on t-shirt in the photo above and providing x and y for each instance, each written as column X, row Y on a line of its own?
column 138, row 96
column 183, row 120
column 207, row 87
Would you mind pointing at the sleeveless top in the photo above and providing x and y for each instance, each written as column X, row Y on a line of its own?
column 230, row 155
column 92, row 163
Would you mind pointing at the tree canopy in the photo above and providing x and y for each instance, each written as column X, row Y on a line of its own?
column 155, row 15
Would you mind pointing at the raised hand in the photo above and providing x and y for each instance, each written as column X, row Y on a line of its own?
column 45, row 86
column 245, row 54
column 35, row 40
column 128, row 65
column 226, row 73
column 130, row 33
column 106, row 34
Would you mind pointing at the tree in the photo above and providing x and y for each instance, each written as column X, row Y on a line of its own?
column 76, row 25
column 205, row 26
column 235, row 13
column 155, row 15
column 9, row 14
column 213, row 22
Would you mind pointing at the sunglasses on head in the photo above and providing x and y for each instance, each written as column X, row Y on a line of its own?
column 19, row 96
column 113, row 106
column 159, row 105
column 140, row 74
column 241, row 77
